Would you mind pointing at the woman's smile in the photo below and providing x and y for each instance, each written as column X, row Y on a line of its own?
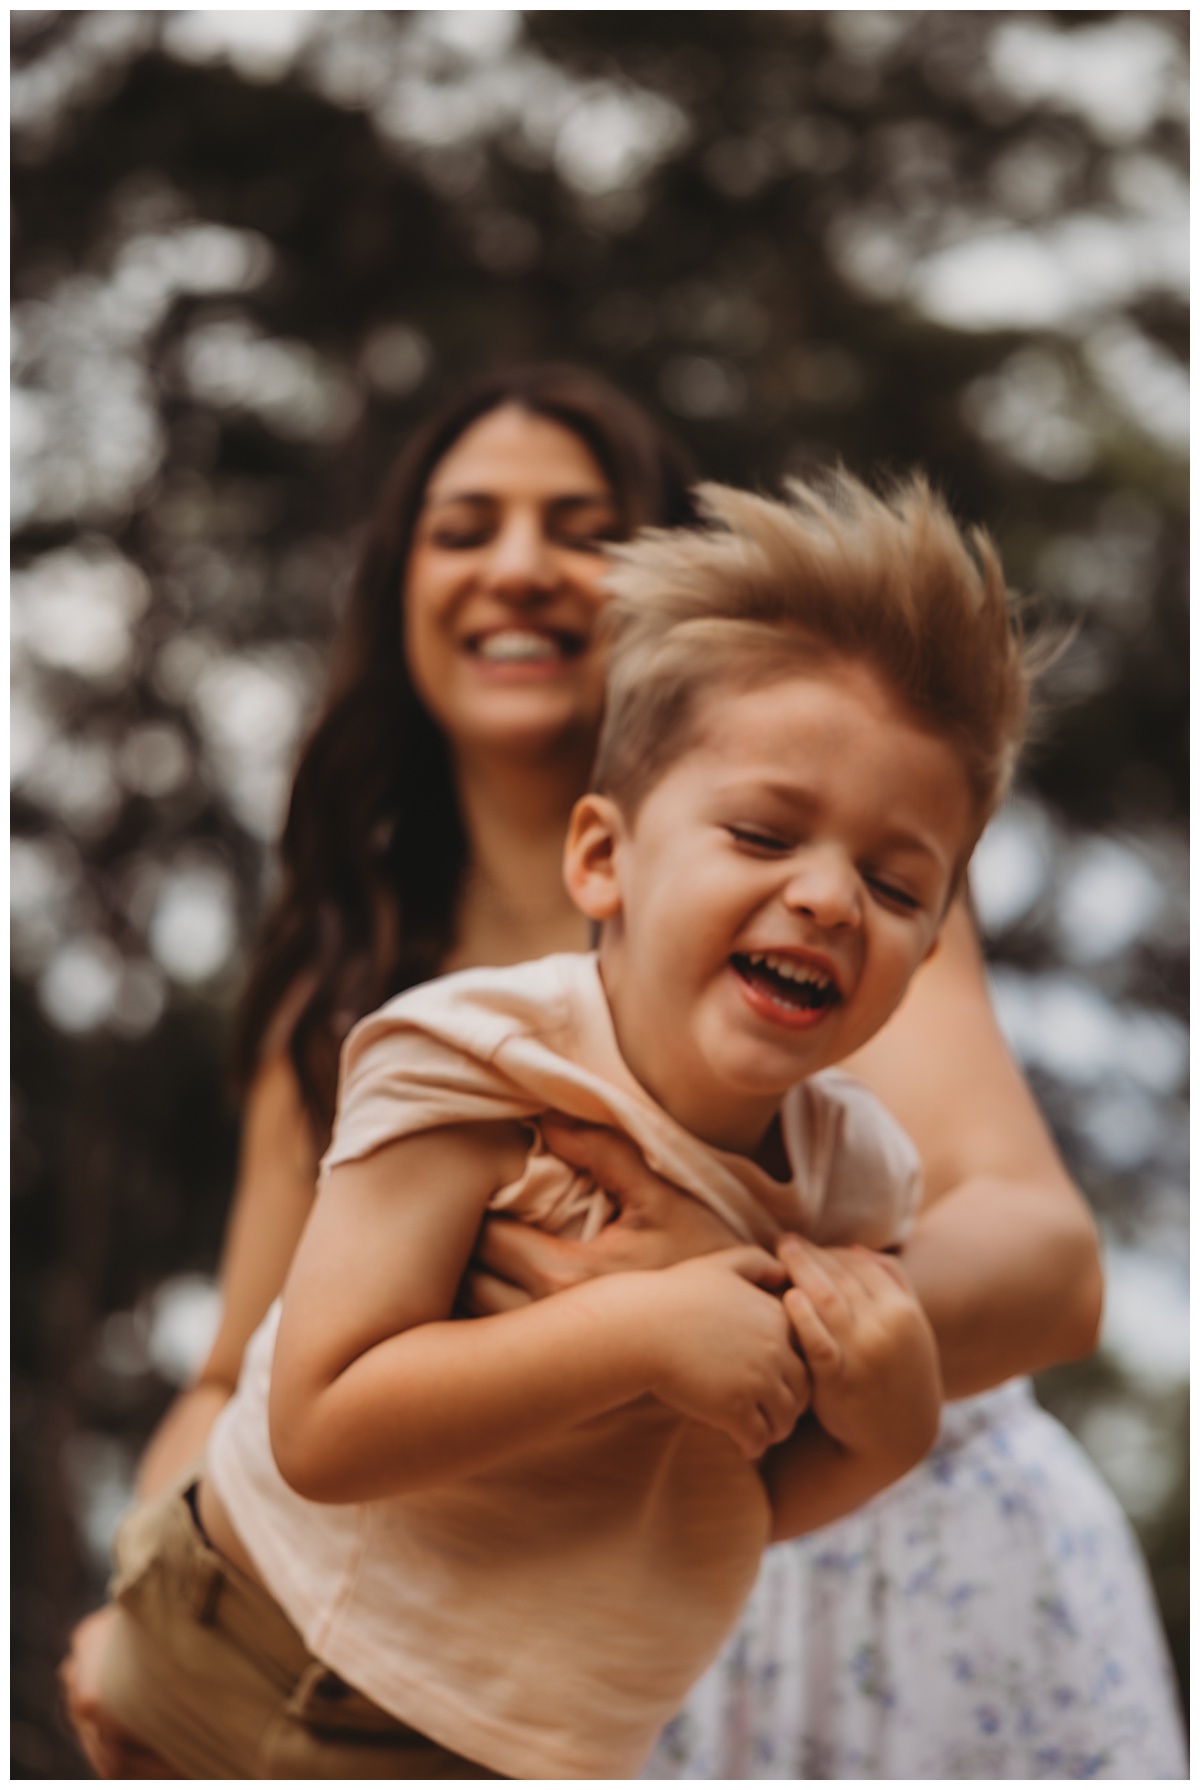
column 521, row 650
column 524, row 646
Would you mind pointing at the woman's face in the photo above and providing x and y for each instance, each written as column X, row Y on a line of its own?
column 503, row 588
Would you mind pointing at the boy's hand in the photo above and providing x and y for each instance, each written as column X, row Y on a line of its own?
column 110, row 1750
column 723, row 1348
column 870, row 1349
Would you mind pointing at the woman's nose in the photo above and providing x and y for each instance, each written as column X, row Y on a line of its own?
column 521, row 563
column 824, row 888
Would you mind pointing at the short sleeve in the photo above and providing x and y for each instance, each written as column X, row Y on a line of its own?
column 856, row 1168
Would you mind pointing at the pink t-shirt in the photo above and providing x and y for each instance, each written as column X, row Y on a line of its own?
column 546, row 1617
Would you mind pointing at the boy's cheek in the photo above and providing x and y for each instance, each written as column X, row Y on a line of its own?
column 904, row 957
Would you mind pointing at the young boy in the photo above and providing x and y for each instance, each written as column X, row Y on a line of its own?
column 523, row 1536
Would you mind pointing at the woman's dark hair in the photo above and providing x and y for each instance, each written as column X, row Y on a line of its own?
column 373, row 849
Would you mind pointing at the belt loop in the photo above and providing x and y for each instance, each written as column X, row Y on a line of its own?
column 206, row 1591
column 204, row 1568
column 316, row 1690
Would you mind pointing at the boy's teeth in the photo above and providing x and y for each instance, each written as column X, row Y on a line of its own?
column 790, row 969
column 517, row 644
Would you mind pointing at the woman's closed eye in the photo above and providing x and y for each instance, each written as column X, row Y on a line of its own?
column 461, row 537
column 475, row 528
column 591, row 541
column 583, row 526
column 459, row 524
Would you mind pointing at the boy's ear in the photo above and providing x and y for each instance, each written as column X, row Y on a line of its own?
column 594, row 832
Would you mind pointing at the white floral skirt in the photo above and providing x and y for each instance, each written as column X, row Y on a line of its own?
column 989, row 1616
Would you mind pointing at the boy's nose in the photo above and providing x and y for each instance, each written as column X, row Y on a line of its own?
column 825, row 890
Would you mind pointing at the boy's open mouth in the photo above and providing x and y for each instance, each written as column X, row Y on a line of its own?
column 787, row 981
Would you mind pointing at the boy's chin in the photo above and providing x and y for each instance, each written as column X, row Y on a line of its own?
column 755, row 1074
column 760, row 1054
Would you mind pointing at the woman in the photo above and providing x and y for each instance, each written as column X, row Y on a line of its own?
column 425, row 834
column 473, row 745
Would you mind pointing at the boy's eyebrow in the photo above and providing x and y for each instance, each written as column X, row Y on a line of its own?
column 901, row 839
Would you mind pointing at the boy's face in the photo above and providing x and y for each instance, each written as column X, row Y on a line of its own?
column 775, row 893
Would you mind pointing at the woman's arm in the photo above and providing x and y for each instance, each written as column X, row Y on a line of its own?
column 1004, row 1257
column 374, row 1390
column 272, row 1200
column 276, row 1181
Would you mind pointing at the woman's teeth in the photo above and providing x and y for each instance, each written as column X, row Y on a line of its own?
column 518, row 646
column 806, row 985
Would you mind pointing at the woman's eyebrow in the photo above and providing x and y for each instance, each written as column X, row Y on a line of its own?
column 563, row 501
column 437, row 498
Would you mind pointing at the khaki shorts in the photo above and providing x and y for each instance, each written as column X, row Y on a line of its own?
column 205, row 1668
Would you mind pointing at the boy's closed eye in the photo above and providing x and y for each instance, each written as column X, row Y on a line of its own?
column 759, row 838
column 893, row 893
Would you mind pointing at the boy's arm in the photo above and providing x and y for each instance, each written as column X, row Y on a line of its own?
column 876, row 1388
column 375, row 1391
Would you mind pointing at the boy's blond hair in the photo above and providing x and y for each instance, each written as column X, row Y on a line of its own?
column 770, row 588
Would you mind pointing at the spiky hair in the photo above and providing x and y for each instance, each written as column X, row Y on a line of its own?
column 833, row 571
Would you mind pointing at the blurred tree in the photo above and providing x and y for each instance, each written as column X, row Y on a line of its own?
column 251, row 249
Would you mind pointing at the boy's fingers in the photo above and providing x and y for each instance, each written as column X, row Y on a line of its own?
column 800, row 1381
column 810, row 1261
column 820, row 1347
column 779, row 1415
column 755, row 1264
column 887, row 1269
column 787, row 1403
column 834, row 1293
column 754, row 1434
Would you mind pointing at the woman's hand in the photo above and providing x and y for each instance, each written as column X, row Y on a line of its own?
column 110, row 1750
column 656, row 1224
